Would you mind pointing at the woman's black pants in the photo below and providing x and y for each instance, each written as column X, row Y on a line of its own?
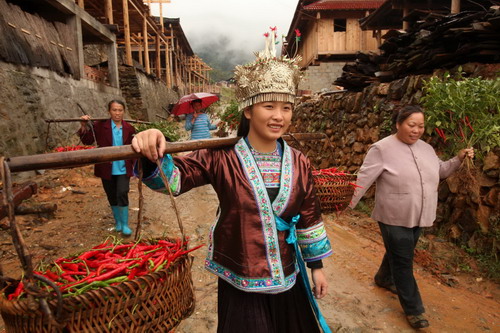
column 397, row 265
column 117, row 190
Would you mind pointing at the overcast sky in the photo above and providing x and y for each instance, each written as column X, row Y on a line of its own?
column 243, row 21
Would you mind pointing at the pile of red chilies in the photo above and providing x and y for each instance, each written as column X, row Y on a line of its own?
column 72, row 148
column 108, row 264
column 328, row 172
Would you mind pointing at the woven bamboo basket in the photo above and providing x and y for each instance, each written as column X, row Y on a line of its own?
column 155, row 302
column 334, row 192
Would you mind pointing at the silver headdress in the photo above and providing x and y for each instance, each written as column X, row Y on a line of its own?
column 268, row 78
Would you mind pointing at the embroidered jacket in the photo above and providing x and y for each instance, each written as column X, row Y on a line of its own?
column 245, row 247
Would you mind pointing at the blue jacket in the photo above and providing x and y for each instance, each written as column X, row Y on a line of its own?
column 201, row 127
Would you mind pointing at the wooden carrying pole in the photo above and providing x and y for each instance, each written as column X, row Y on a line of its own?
column 107, row 154
column 69, row 120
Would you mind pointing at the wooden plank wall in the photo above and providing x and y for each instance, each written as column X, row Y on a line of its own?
column 33, row 41
column 331, row 41
column 353, row 35
column 309, row 46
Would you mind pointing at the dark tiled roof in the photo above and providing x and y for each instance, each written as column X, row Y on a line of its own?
column 343, row 5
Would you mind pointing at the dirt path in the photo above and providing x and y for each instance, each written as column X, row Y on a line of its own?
column 354, row 303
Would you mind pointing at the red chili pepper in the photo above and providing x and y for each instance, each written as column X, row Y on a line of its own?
column 51, row 275
column 17, row 292
column 468, row 123
column 461, row 134
column 69, row 266
column 108, row 275
column 68, row 277
column 104, row 266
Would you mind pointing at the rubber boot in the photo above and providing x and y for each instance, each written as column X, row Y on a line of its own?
column 116, row 215
column 126, row 231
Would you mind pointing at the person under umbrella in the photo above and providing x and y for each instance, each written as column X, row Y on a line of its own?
column 198, row 122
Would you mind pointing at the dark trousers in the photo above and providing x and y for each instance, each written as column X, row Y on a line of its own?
column 397, row 265
column 117, row 190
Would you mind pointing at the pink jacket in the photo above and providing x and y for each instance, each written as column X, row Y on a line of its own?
column 407, row 179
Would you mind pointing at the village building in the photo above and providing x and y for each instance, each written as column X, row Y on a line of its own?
column 59, row 58
column 330, row 37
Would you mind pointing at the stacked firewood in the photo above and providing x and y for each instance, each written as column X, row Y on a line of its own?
column 435, row 41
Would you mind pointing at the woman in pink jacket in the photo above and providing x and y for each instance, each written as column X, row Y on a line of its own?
column 407, row 173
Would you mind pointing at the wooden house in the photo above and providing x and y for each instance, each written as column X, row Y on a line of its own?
column 169, row 56
column 330, row 37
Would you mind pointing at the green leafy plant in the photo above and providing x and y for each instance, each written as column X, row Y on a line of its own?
column 168, row 128
column 230, row 117
column 464, row 112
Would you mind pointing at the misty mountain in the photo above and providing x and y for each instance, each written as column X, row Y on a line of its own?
column 219, row 53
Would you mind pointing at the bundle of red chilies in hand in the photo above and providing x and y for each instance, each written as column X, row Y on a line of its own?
column 72, row 148
column 108, row 264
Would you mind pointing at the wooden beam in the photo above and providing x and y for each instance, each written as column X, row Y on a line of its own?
column 141, row 54
column 161, row 18
column 158, row 58
column 146, row 45
column 126, row 28
column 81, row 3
column 109, row 11
column 455, row 6
column 168, row 78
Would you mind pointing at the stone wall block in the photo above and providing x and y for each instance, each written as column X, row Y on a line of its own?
column 383, row 89
column 373, row 135
column 358, row 147
column 491, row 165
column 398, row 88
column 372, row 119
column 491, row 198
column 483, row 217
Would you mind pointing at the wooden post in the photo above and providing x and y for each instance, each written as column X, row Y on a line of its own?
column 109, row 11
column 126, row 28
column 190, row 76
column 168, row 78
column 161, row 18
column 378, row 37
column 146, row 44
column 158, row 58
column 140, row 51
column 406, row 24
column 113, row 72
column 81, row 3
column 455, row 6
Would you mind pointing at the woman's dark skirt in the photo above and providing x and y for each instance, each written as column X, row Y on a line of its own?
column 246, row 312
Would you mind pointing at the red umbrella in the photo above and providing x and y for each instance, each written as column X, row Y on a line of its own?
column 183, row 106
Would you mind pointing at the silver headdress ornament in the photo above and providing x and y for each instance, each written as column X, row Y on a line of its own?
column 268, row 78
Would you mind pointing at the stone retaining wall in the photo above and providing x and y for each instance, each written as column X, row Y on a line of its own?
column 355, row 120
column 30, row 95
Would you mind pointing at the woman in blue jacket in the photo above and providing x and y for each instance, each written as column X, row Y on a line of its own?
column 198, row 122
